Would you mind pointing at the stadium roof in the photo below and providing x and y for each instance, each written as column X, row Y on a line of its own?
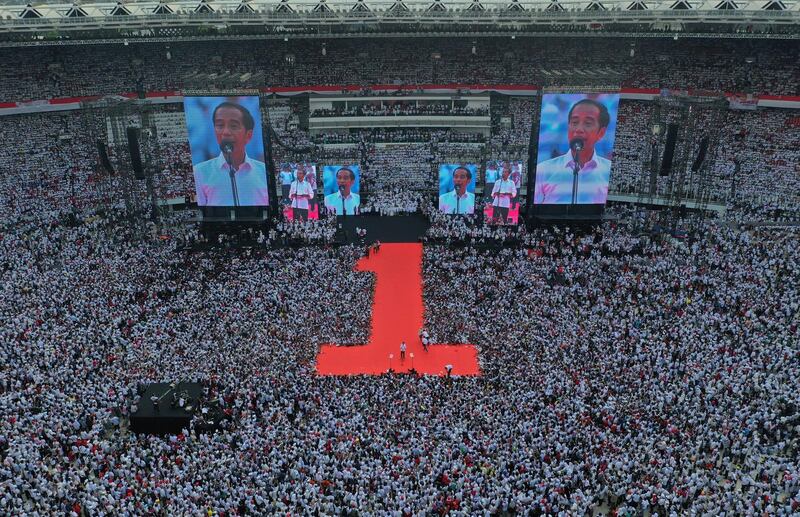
column 48, row 21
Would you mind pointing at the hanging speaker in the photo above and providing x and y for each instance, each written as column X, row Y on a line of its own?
column 103, row 152
column 136, row 157
column 669, row 150
column 701, row 155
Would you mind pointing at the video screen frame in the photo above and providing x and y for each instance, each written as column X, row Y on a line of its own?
column 341, row 185
column 582, row 125
column 296, row 204
column 227, row 150
column 452, row 178
column 496, row 208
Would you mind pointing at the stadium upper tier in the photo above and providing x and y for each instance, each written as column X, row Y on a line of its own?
column 148, row 7
column 759, row 67
column 319, row 18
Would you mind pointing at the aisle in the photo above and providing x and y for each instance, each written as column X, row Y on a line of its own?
column 396, row 316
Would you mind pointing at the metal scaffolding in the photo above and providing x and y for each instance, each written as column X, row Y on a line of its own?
column 698, row 122
column 107, row 120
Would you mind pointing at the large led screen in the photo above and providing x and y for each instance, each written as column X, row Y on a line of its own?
column 341, row 185
column 298, row 191
column 576, row 144
column 457, row 188
column 501, row 191
column 227, row 150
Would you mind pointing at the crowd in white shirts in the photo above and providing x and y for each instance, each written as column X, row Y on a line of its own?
column 740, row 66
column 619, row 375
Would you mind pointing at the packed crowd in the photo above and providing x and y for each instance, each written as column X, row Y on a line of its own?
column 469, row 229
column 402, row 135
column 512, row 128
column 654, row 376
column 406, row 166
column 400, row 109
column 759, row 66
column 619, row 375
column 393, row 201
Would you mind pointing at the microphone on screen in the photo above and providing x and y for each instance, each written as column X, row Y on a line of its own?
column 227, row 149
column 576, row 146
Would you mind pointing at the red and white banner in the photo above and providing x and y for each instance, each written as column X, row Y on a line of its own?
column 738, row 101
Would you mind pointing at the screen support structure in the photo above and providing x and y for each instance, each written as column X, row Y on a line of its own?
column 266, row 133
column 698, row 118
column 108, row 119
column 533, row 155
column 93, row 122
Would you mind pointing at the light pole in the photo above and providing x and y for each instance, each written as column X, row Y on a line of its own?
column 412, row 360
column 391, row 356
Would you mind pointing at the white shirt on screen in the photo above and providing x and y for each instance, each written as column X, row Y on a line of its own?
column 554, row 181
column 333, row 202
column 300, row 188
column 450, row 203
column 212, row 183
column 502, row 186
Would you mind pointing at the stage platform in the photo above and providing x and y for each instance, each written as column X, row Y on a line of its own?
column 386, row 228
column 169, row 417
column 570, row 220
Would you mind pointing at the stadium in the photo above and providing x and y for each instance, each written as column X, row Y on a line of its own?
column 400, row 257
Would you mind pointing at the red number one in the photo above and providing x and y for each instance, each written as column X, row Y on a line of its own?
column 396, row 316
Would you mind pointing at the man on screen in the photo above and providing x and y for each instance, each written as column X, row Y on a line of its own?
column 300, row 193
column 458, row 200
column 232, row 178
column 343, row 202
column 503, row 193
column 587, row 124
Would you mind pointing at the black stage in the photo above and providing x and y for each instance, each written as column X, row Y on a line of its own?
column 574, row 220
column 169, row 417
column 396, row 228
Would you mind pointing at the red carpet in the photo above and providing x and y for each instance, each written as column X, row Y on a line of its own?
column 396, row 316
